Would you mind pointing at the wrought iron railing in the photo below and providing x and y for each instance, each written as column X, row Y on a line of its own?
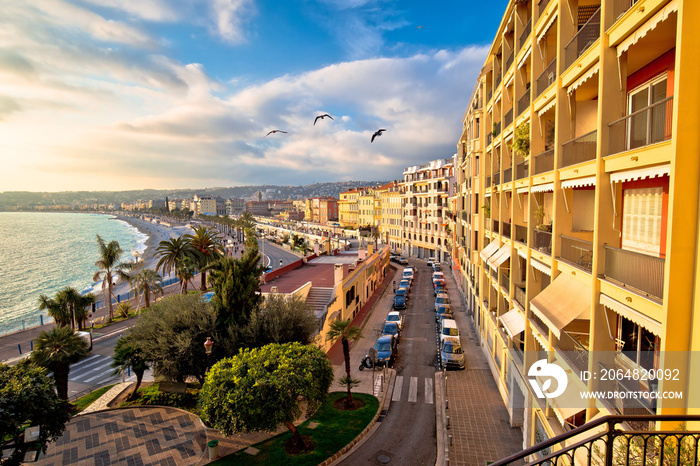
column 505, row 229
column 548, row 76
column 584, row 38
column 496, row 179
column 649, row 125
column 520, row 296
column 580, row 149
column 611, row 440
column 521, row 170
column 544, row 162
column 577, row 252
column 508, row 118
column 639, row 271
column 508, row 175
column 542, row 241
column 509, row 60
column 543, row 6
column 489, row 138
column 521, row 234
column 525, row 34
column 496, row 129
column 497, row 79
column 524, row 102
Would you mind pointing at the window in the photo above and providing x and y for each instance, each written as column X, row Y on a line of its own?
column 637, row 343
column 641, row 220
column 647, row 127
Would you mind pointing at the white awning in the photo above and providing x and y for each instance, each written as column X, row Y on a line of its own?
column 642, row 30
column 584, row 77
column 489, row 250
column 549, row 105
column 640, row 173
column 508, row 138
column 545, row 269
column 549, row 25
column 500, row 257
column 524, row 59
column 542, row 188
column 510, row 80
column 635, row 316
column 543, row 340
column 514, row 322
column 522, row 254
column 523, row 190
column 487, row 194
column 570, row 402
column 563, row 301
column 578, row 182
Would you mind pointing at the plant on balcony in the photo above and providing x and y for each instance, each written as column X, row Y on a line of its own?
column 487, row 210
column 521, row 141
column 494, row 131
column 540, row 214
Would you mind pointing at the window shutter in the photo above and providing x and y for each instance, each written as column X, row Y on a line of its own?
column 641, row 220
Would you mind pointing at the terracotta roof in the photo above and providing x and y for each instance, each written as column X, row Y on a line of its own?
column 320, row 275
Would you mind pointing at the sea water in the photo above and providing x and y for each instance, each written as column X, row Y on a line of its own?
column 42, row 253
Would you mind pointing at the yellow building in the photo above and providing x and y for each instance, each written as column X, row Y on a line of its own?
column 391, row 219
column 578, row 202
column 425, row 220
column 347, row 208
column 368, row 207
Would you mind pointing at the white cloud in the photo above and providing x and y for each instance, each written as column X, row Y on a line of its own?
column 229, row 17
column 151, row 10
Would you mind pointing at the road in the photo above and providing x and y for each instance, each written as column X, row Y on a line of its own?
column 273, row 255
column 407, row 433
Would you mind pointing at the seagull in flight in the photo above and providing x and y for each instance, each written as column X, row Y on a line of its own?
column 377, row 133
column 322, row 117
column 419, row 27
column 274, row 131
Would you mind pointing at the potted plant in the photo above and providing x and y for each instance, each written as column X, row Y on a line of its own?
column 521, row 141
column 539, row 220
column 487, row 210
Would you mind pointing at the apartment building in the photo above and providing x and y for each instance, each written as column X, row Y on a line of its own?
column 578, row 175
column 391, row 218
column 369, row 208
column 347, row 208
column 426, row 232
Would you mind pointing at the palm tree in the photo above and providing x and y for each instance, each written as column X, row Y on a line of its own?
column 128, row 354
column 185, row 270
column 172, row 253
column 71, row 299
column 145, row 282
column 342, row 329
column 56, row 350
column 209, row 250
column 56, row 310
column 109, row 264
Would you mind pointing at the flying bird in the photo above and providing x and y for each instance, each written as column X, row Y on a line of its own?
column 322, row 117
column 274, row 131
column 419, row 27
column 377, row 133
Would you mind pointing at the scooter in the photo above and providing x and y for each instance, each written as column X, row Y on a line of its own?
column 366, row 363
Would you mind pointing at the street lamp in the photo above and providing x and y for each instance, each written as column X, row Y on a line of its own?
column 208, row 345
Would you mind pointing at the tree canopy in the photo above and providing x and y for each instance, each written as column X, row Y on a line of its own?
column 279, row 319
column 56, row 350
column 262, row 388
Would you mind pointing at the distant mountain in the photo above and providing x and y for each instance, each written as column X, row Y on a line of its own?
column 25, row 200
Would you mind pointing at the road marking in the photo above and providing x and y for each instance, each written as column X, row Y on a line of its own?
column 429, row 391
column 81, row 363
column 413, row 390
column 398, row 385
column 377, row 384
column 101, row 374
column 99, row 363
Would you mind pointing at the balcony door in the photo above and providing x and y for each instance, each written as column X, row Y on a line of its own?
column 647, row 127
column 642, row 220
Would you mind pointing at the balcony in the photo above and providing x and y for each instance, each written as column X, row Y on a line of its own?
column 542, row 241
column 573, row 348
column 496, row 129
column 647, row 126
column 489, row 138
column 496, row 179
column 496, row 225
column 505, row 229
column 520, row 296
column 584, row 38
column 497, row 79
column 543, row 6
column 620, row 7
column 525, row 34
column 521, row 170
column 544, row 162
column 521, row 234
column 488, row 95
column 640, row 272
column 577, row 252
column 524, row 102
column 578, row 150
column 509, row 60
column 505, row 282
column 488, row 182
column 548, row 76
column 508, row 118
column 508, row 175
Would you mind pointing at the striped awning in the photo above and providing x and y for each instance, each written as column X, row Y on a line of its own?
column 544, row 268
column 578, row 182
column 651, row 24
column 542, row 188
column 500, row 257
column 489, row 250
column 547, row 106
column 522, row 190
column 640, row 173
column 631, row 314
column 563, row 301
column 555, row 13
column 584, row 77
column 543, row 340
column 513, row 322
column 524, row 59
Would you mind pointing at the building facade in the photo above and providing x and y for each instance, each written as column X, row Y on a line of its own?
column 391, row 219
column 347, row 208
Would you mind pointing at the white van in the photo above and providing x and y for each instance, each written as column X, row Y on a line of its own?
column 448, row 328
column 407, row 274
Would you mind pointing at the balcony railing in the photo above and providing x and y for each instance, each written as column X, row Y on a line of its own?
column 496, row 129
column 525, row 34
column 508, row 118
column 521, row 234
column 544, row 162
column 574, row 349
column 497, row 79
column 548, row 76
column 488, row 95
column 508, row 175
column 505, row 281
column 520, row 296
column 524, row 102
column 543, row 6
column 578, row 150
column 577, row 252
column 647, row 126
column 488, row 182
column 505, row 229
column 521, row 170
column 542, row 241
column 489, row 138
column 509, row 60
column 620, row 7
column 496, row 179
column 638, row 271
column 496, row 225
column 584, row 38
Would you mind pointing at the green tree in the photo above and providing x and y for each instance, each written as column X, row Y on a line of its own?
column 173, row 253
column 262, row 388
column 172, row 334
column 58, row 312
column 76, row 305
column 128, row 354
column 280, row 319
column 56, row 350
column 28, row 398
column 208, row 250
column 236, row 285
column 109, row 268
column 145, row 282
column 341, row 329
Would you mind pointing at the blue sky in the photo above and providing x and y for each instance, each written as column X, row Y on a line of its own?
column 130, row 94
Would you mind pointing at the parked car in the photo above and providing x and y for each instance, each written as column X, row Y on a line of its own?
column 443, row 311
column 438, row 276
column 393, row 259
column 399, row 302
column 448, row 328
column 430, row 263
column 442, row 300
column 437, row 267
column 395, row 316
column 403, row 291
column 407, row 274
column 439, row 288
column 392, row 328
column 405, row 284
column 387, row 350
column 451, row 353
column 442, row 317
column 439, row 282
column 402, row 261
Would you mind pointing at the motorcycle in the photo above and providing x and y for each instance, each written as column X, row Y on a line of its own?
column 366, row 363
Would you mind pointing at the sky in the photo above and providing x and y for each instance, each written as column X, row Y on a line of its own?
column 135, row 94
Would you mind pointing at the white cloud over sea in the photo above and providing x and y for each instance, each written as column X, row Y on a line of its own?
column 94, row 99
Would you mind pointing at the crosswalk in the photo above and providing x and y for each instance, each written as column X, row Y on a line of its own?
column 427, row 393
column 94, row 370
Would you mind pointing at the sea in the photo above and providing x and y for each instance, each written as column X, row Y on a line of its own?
column 42, row 253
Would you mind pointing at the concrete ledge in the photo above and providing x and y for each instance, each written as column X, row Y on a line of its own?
column 440, row 420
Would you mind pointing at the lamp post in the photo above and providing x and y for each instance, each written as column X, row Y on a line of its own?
column 208, row 345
